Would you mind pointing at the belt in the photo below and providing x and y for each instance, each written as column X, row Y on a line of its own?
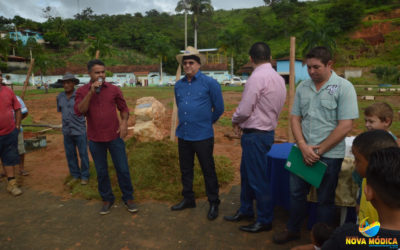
column 253, row 130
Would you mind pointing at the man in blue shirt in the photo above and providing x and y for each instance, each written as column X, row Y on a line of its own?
column 74, row 131
column 200, row 104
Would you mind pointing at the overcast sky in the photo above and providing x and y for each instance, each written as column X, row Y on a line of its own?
column 32, row 9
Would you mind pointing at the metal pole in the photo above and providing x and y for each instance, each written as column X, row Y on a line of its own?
column 291, row 83
column 186, row 28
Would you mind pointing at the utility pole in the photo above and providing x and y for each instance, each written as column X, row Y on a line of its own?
column 186, row 11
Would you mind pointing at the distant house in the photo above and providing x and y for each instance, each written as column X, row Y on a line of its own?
column 301, row 73
column 24, row 35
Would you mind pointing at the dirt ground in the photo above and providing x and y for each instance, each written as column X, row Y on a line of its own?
column 46, row 216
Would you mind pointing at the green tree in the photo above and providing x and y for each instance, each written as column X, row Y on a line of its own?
column 5, row 46
column 159, row 45
column 98, row 44
column 56, row 39
column 197, row 7
column 345, row 14
column 318, row 34
column 231, row 41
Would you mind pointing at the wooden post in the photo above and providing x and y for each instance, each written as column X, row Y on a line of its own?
column 291, row 84
column 27, row 78
column 174, row 119
column 97, row 54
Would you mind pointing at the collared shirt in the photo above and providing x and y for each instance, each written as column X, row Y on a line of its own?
column 200, row 104
column 102, row 119
column 71, row 123
column 262, row 100
column 321, row 110
column 8, row 104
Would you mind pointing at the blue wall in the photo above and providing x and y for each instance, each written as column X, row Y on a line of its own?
column 300, row 70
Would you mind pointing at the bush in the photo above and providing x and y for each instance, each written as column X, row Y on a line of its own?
column 387, row 74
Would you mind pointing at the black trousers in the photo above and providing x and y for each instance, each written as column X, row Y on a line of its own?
column 204, row 151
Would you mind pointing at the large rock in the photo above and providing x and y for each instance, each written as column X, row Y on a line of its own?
column 149, row 115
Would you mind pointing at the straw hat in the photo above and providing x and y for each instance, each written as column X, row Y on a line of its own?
column 69, row 77
column 190, row 51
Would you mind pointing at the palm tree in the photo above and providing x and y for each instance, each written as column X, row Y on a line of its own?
column 158, row 45
column 318, row 35
column 232, row 41
column 197, row 7
column 98, row 44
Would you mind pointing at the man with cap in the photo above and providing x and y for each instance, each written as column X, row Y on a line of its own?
column 74, row 131
column 200, row 104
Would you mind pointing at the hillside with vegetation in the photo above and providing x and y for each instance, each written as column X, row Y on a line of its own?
column 363, row 33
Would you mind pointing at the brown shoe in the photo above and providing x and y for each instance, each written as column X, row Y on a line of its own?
column 285, row 236
column 12, row 187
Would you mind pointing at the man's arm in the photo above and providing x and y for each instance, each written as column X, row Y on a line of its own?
column 336, row 136
column 123, row 127
column 83, row 106
column 217, row 101
column 18, row 118
column 308, row 151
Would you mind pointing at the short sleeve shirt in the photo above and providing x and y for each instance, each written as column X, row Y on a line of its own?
column 8, row 104
column 321, row 110
column 71, row 123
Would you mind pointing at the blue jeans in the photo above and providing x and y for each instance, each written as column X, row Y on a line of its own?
column 326, row 196
column 71, row 143
column 116, row 148
column 254, row 178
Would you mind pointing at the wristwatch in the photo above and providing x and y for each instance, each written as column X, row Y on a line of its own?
column 316, row 151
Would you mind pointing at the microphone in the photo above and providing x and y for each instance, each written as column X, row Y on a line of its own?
column 99, row 87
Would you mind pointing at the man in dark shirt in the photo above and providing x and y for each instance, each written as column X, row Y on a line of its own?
column 200, row 104
column 98, row 101
column 74, row 131
column 382, row 190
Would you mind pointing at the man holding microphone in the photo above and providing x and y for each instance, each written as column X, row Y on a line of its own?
column 98, row 101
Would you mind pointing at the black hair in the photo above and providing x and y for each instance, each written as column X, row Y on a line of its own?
column 260, row 52
column 321, row 233
column 321, row 53
column 93, row 62
column 383, row 175
column 368, row 142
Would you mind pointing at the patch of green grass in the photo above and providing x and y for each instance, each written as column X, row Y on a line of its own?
column 230, row 106
column 155, row 173
column 225, row 121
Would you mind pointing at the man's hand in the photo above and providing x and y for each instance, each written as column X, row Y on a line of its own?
column 95, row 85
column 123, row 130
column 236, row 129
column 310, row 153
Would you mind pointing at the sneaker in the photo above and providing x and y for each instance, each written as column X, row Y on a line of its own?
column 105, row 209
column 84, row 182
column 131, row 206
column 12, row 187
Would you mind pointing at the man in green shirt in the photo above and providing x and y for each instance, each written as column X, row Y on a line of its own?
column 323, row 112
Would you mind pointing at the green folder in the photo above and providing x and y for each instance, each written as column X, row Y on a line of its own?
column 311, row 174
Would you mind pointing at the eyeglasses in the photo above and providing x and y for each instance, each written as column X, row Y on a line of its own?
column 188, row 62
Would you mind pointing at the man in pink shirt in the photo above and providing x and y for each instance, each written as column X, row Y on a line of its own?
column 10, row 108
column 255, row 120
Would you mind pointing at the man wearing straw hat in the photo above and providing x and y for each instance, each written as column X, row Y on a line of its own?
column 200, row 104
column 74, row 131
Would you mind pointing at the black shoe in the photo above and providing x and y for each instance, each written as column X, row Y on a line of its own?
column 238, row 217
column 105, row 209
column 184, row 204
column 285, row 236
column 213, row 211
column 256, row 227
column 131, row 206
